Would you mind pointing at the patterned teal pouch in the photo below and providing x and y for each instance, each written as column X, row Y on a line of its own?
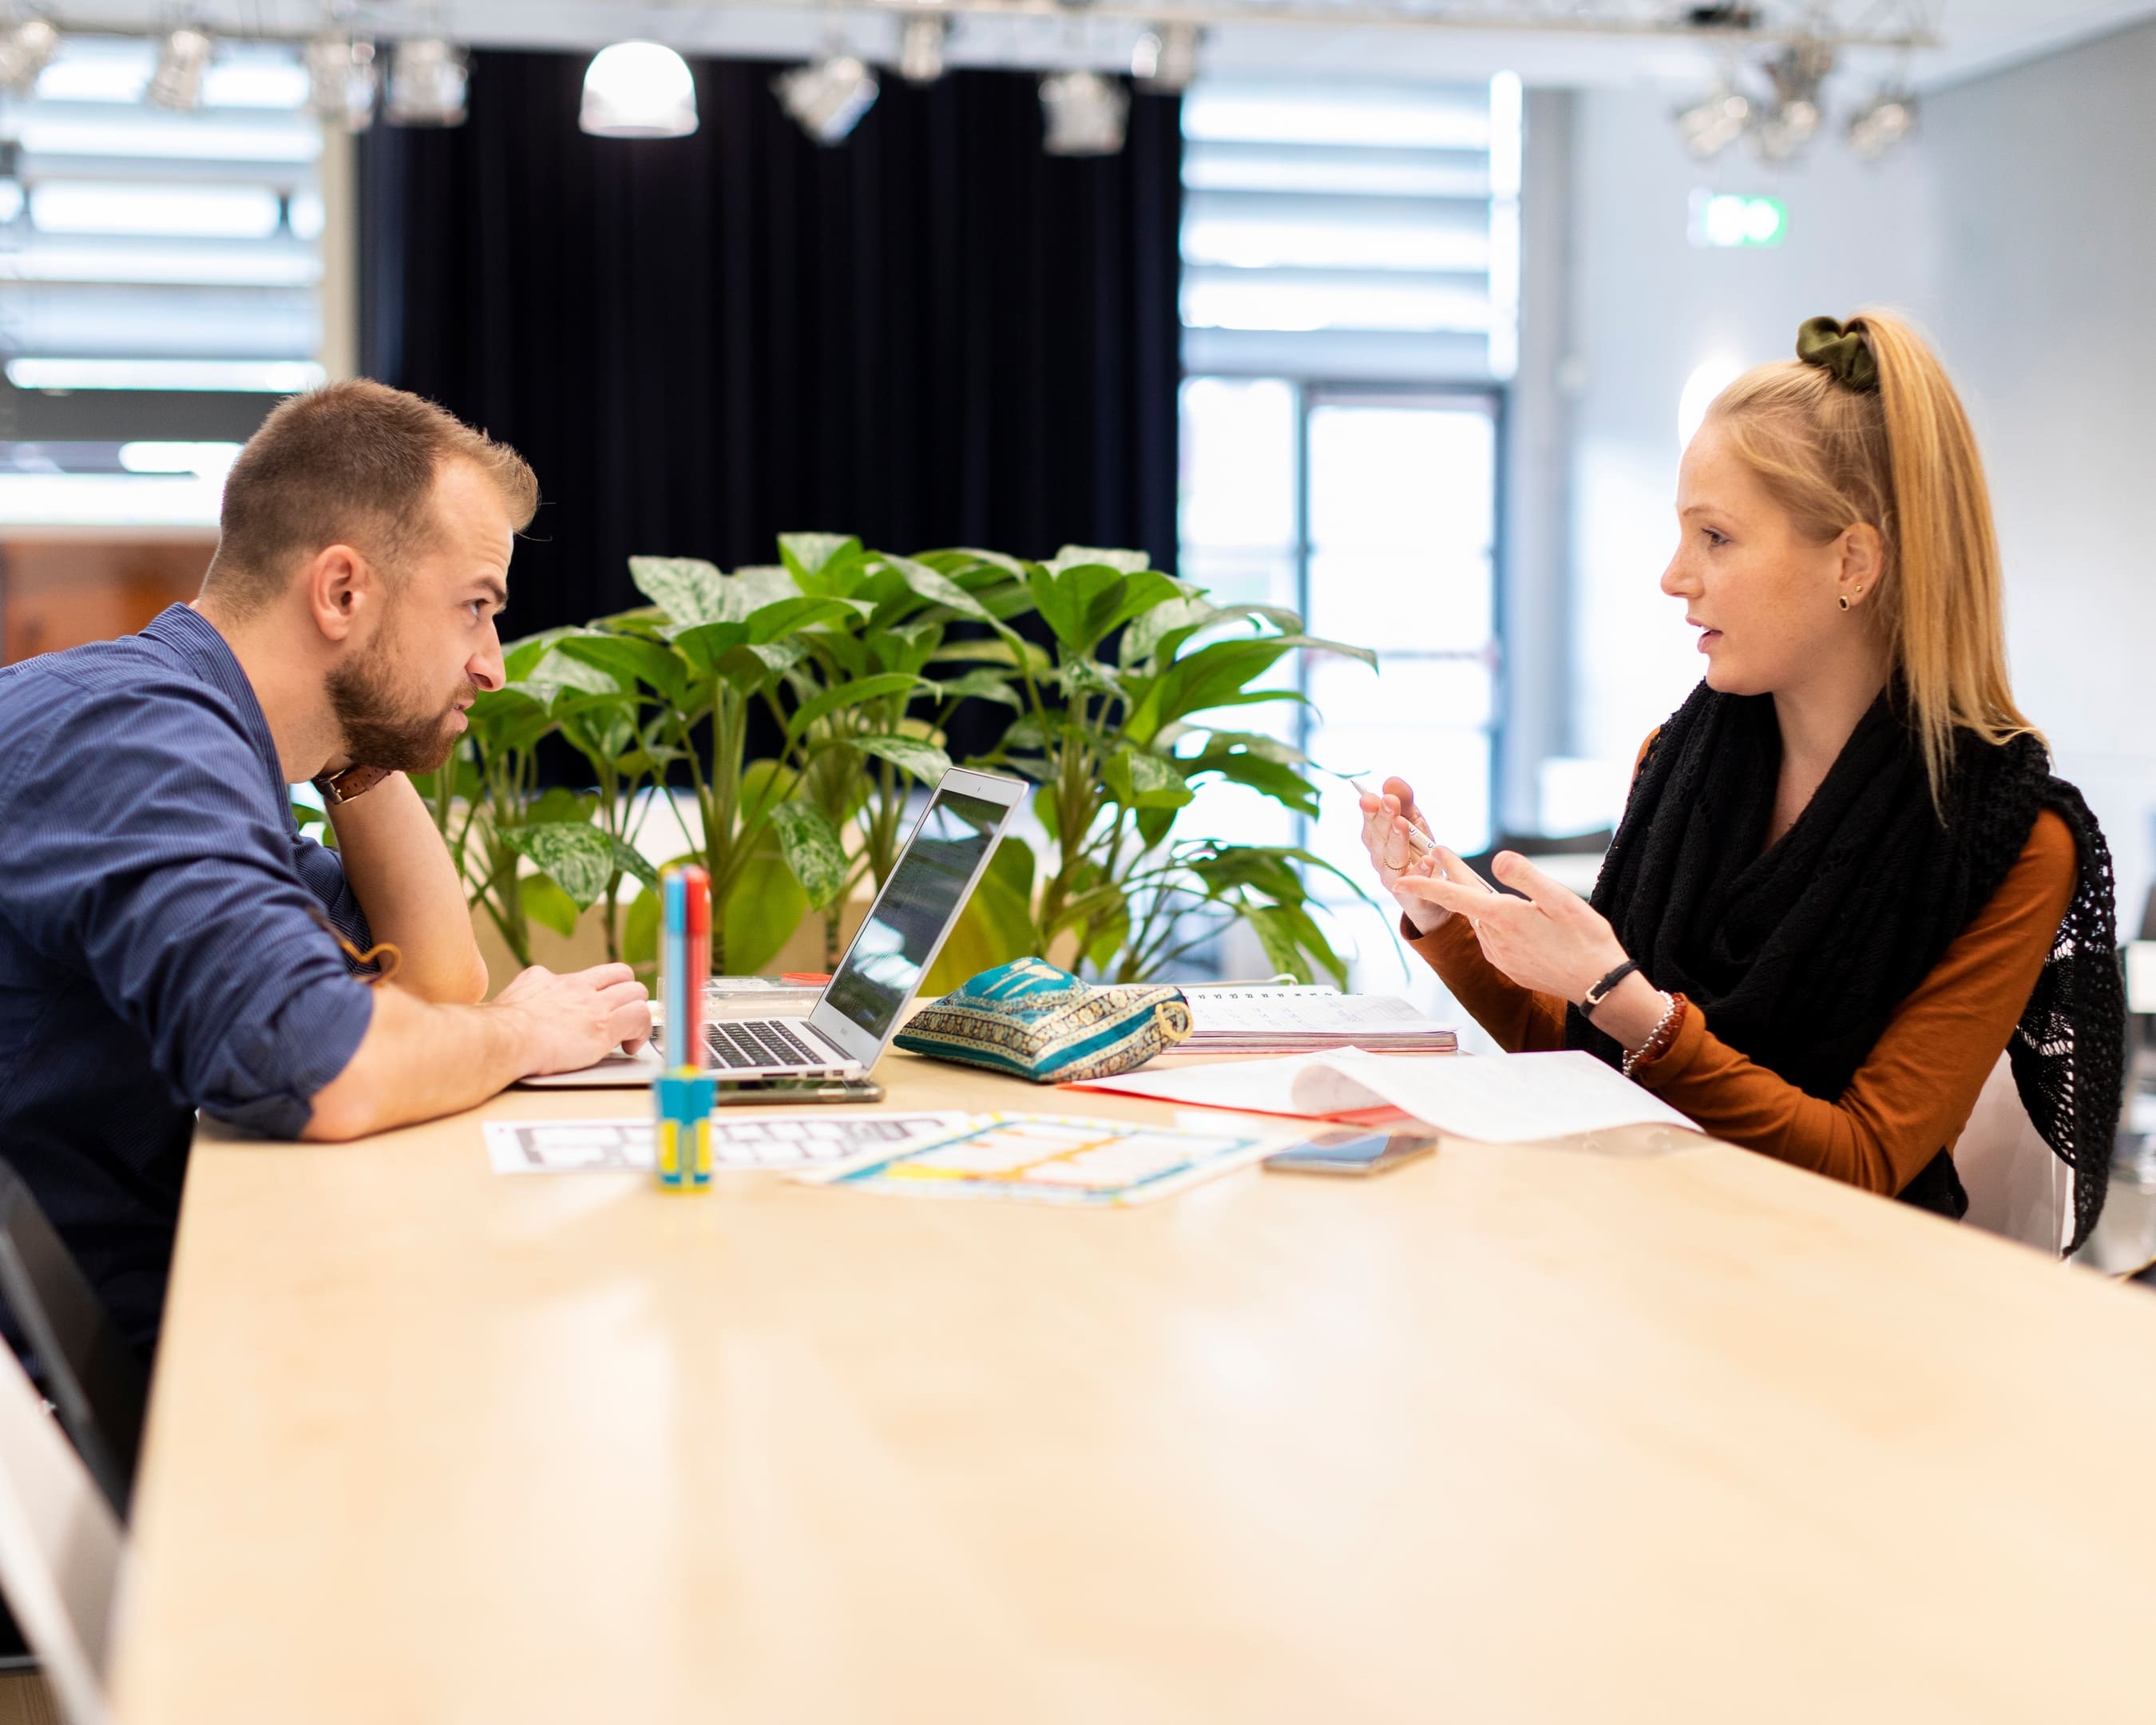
column 1031, row 1020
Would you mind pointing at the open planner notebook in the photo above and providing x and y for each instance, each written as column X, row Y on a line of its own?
column 1281, row 1017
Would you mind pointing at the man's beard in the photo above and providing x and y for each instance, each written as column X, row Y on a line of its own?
column 380, row 730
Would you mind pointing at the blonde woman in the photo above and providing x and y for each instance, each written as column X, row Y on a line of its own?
column 1845, row 878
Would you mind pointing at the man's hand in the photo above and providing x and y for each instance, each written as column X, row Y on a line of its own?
column 573, row 1020
column 418, row 1060
column 401, row 873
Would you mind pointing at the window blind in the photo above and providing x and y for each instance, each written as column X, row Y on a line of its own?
column 1351, row 231
column 141, row 250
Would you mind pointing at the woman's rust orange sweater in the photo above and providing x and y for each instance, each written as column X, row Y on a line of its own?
column 1913, row 1094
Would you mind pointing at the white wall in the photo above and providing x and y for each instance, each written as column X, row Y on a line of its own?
column 1648, row 307
column 2046, row 273
column 2017, row 231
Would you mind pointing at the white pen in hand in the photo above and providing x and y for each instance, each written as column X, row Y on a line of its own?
column 1418, row 841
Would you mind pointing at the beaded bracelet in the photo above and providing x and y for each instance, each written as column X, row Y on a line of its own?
column 1660, row 1037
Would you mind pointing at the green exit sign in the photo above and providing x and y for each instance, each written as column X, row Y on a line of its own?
column 1729, row 218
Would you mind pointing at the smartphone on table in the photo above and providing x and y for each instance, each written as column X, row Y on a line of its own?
column 770, row 1092
column 1352, row 1150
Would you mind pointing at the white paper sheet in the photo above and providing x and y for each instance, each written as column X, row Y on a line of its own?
column 1501, row 1099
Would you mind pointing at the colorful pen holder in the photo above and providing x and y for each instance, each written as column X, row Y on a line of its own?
column 681, row 1130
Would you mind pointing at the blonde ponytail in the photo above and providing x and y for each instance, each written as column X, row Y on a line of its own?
column 1835, row 447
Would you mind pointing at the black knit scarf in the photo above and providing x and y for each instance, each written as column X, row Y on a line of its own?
column 1800, row 953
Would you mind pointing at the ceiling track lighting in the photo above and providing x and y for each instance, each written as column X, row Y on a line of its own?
column 26, row 49
column 429, row 81
column 1782, row 120
column 1715, row 121
column 827, row 97
column 921, row 43
column 1083, row 114
column 183, row 58
column 341, row 78
column 637, row 89
column 1790, row 121
column 1165, row 60
column 1884, row 123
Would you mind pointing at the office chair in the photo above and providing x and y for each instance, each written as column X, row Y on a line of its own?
column 60, row 1549
column 94, row 1380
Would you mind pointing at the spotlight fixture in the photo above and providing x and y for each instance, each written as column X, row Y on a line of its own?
column 1788, row 125
column 1084, row 114
column 428, row 80
column 183, row 57
column 25, row 49
column 826, row 97
column 920, row 48
column 1165, row 60
column 340, row 81
column 1715, row 121
column 1888, row 120
column 637, row 89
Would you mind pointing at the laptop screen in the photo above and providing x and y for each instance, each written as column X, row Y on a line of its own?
column 883, row 966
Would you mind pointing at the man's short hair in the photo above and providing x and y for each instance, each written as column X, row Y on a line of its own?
column 352, row 463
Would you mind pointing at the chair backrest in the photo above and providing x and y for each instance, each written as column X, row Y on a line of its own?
column 2016, row 1185
column 60, row 1548
column 96, row 1382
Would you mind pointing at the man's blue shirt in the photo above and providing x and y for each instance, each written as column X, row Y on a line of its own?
column 160, row 945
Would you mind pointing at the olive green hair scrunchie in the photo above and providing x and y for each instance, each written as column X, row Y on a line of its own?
column 1843, row 354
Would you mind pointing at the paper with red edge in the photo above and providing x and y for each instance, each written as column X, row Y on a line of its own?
column 1496, row 1098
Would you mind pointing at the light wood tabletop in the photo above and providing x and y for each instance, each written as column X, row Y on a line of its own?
column 1644, row 1428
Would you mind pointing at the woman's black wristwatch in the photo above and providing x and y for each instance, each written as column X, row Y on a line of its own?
column 1600, row 991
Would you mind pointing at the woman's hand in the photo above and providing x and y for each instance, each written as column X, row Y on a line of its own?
column 1552, row 940
column 1387, row 819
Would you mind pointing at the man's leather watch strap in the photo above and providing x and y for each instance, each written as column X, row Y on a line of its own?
column 353, row 782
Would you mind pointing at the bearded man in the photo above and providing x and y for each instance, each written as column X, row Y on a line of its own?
column 169, row 941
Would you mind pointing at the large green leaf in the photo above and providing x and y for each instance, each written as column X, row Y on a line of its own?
column 981, row 685
column 1272, row 778
column 1073, row 556
column 749, row 589
column 1077, row 603
column 548, row 906
column 562, row 672
column 687, row 589
column 764, row 907
column 1218, row 674
column 1141, row 779
column 782, row 618
column 1162, row 630
column 705, row 644
column 633, row 658
column 860, row 690
column 578, row 858
column 508, row 719
column 916, row 755
column 519, row 659
column 808, row 555
column 813, row 850
column 938, row 589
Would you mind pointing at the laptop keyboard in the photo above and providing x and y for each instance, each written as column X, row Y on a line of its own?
column 736, row 1043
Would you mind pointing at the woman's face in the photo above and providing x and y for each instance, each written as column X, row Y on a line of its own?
column 1763, row 596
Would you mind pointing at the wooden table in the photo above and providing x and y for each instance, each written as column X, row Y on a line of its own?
column 1654, row 1431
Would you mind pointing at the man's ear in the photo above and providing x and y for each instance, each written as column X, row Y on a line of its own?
column 342, row 589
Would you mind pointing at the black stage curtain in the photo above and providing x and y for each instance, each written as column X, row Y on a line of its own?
column 932, row 334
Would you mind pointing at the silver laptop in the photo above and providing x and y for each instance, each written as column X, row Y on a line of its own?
column 859, row 1012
